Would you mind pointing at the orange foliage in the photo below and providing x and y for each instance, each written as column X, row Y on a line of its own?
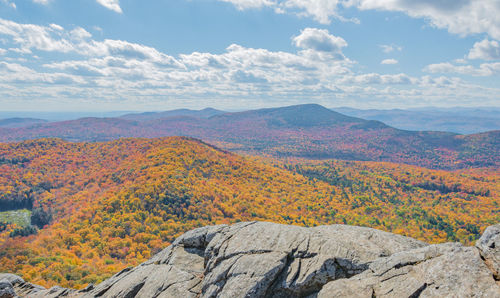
column 115, row 204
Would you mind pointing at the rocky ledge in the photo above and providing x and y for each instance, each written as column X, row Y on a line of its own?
column 260, row 259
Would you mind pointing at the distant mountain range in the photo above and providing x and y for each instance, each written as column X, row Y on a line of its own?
column 458, row 120
column 20, row 122
column 303, row 131
column 59, row 116
column 205, row 113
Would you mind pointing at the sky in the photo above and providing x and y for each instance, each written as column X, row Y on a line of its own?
column 113, row 55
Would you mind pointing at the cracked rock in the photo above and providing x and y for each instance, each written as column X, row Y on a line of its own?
column 6, row 289
column 261, row 259
column 489, row 247
column 444, row 270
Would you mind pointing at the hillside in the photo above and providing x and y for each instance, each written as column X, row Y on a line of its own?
column 262, row 259
column 101, row 207
column 307, row 131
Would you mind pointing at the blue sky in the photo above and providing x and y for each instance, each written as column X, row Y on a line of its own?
column 98, row 55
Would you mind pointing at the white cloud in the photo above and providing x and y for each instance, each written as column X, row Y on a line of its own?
column 9, row 3
column 113, row 5
column 390, row 48
column 245, row 4
column 389, row 61
column 319, row 42
column 16, row 73
column 485, row 69
column 34, row 37
column 460, row 61
column 56, row 27
column 320, row 10
column 485, row 50
column 79, row 34
column 43, row 2
column 375, row 78
column 463, row 17
column 54, row 38
column 109, row 70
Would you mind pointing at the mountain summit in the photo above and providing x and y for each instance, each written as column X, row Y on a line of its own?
column 306, row 116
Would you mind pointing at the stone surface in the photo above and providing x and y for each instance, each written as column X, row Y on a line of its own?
column 6, row 289
column 260, row 259
column 489, row 247
column 445, row 270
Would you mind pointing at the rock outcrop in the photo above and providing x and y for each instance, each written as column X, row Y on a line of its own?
column 259, row 259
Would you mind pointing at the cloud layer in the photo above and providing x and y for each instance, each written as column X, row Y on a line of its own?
column 108, row 70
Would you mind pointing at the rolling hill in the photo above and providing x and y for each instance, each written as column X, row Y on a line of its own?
column 103, row 206
column 305, row 131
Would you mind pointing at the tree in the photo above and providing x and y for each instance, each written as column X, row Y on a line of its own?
column 40, row 217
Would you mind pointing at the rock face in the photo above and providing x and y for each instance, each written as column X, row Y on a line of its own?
column 489, row 247
column 259, row 259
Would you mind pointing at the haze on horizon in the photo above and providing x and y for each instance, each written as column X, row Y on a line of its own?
column 112, row 55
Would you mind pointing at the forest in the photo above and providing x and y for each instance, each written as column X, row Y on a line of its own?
column 99, row 207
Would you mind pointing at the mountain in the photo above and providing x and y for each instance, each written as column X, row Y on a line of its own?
column 20, row 122
column 205, row 113
column 60, row 115
column 260, row 259
column 307, row 115
column 457, row 120
column 99, row 207
column 304, row 131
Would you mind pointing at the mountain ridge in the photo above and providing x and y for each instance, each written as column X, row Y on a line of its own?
column 305, row 131
column 17, row 122
column 148, row 116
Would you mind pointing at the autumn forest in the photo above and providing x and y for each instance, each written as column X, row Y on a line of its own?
column 75, row 213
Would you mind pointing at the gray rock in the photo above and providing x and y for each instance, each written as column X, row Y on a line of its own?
column 489, row 247
column 21, row 287
column 254, row 259
column 290, row 261
column 260, row 259
column 445, row 270
column 6, row 289
column 13, row 279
